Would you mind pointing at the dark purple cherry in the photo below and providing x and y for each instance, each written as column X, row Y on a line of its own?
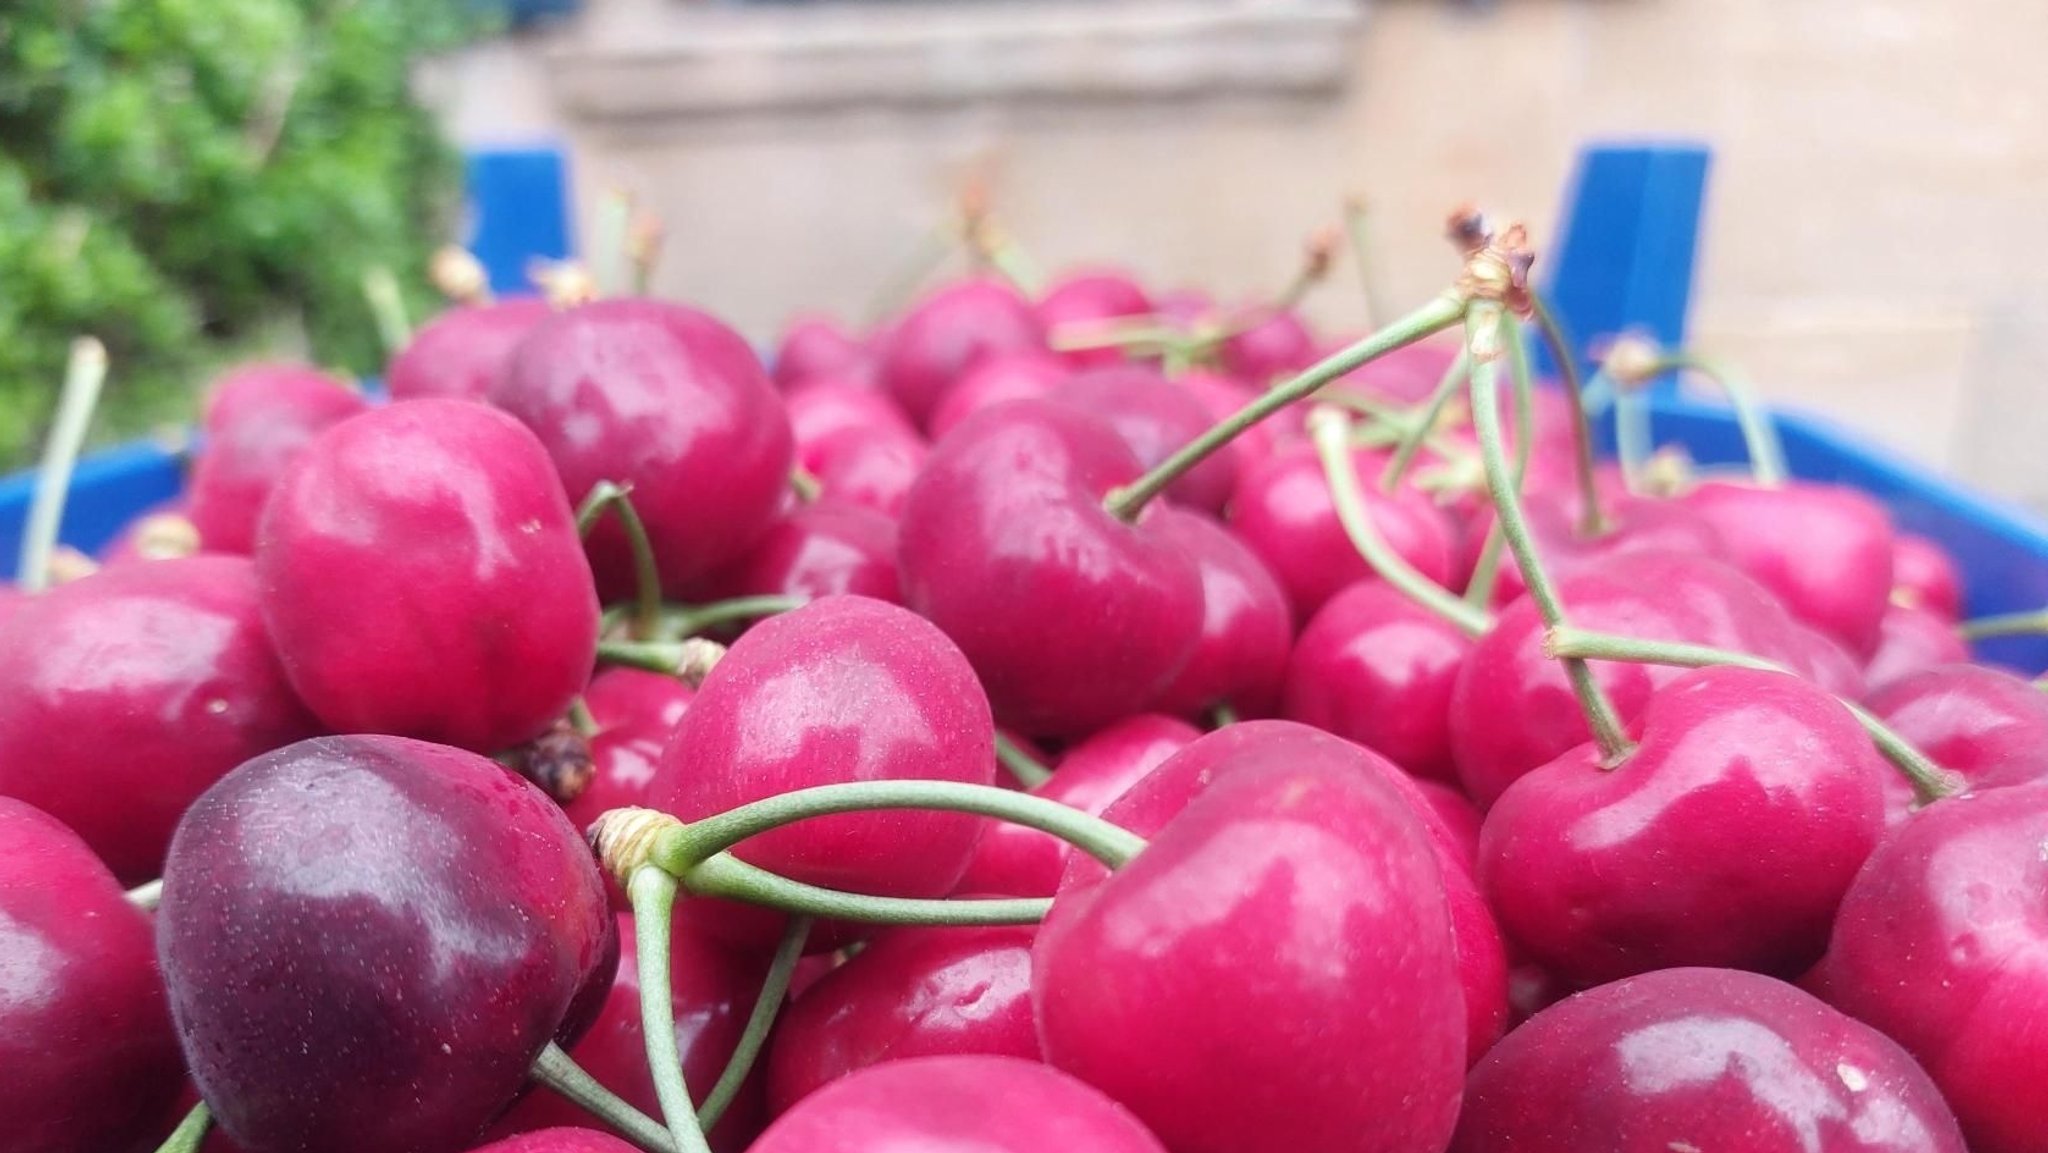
column 367, row 941
column 1071, row 617
column 1726, row 839
column 1029, row 374
column 124, row 695
column 1989, row 726
column 1942, row 943
column 421, row 576
column 669, row 401
column 1911, row 639
column 909, row 992
column 819, row 549
column 1155, row 418
column 258, row 419
column 1925, row 576
column 1825, row 549
column 814, row 346
column 1701, row 1059
column 947, row 333
column 1247, row 627
column 91, row 1061
column 1085, row 300
column 459, row 353
column 1376, row 668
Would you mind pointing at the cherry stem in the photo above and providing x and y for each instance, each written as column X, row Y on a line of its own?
column 1223, row 715
column 83, row 377
column 387, row 308
column 1411, row 442
column 688, row 660
column 1930, row 781
column 697, row 618
column 653, row 894
column 1632, row 436
column 608, row 247
column 1020, row 764
column 1759, row 435
column 774, row 990
column 1330, row 431
column 147, row 896
column 724, row 875
column 1486, row 570
column 1592, row 520
column 555, row 1069
column 190, row 1132
column 2030, row 623
column 608, row 497
column 1357, row 215
column 1126, row 502
column 1483, row 331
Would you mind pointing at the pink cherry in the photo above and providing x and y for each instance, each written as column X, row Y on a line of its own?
column 1634, row 524
column 1989, row 726
column 562, row 1140
column 823, row 409
column 459, row 353
column 1028, row 374
column 635, row 712
column 1247, row 628
column 1376, row 668
column 814, row 346
column 819, row 549
column 1459, row 817
column 1277, row 344
column 947, row 333
column 869, row 468
column 1223, row 396
column 1825, row 549
column 1155, row 418
column 258, row 419
column 1086, row 299
column 1926, row 575
column 1913, row 638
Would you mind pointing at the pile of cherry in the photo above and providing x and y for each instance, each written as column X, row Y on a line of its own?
column 1083, row 721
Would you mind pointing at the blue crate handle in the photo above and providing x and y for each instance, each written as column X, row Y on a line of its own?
column 518, row 200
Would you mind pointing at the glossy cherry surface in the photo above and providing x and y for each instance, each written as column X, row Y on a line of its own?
column 986, row 1104
column 421, row 574
column 1990, row 726
column 1284, row 894
column 1071, row 617
column 460, row 353
column 824, row 409
column 635, row 712
column 947, row 333
column 1925, row 575
column 1085, row 300
column 1029, row 374
column 1376, row 668
column 1911, row 639
column 257, row 420
column 670, row 401
column 1726, row 839
column 818, row 549
column 909, row 992
column 1942, row 943
column 867, row 468
column 1155, row 418
column 85, row 1037
column 1247, row 627
column 355, row 896
column 814, row 346
column 124, row 695
column 1701, row 1059
column 1633, row 525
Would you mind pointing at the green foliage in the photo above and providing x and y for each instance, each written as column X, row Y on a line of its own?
column 196, row 181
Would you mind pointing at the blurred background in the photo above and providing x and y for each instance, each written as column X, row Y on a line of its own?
column 194, row 180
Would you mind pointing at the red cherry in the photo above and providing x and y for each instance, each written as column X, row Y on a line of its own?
column 910, row 992
column 1727, row 838
column 823, row 410
column 1942, row 943
column 1071, row 617
column 376, row 895
column 84, row 1035
column 1405, row 376
column 1156, row 419
column 1280, row 344
column 669, row 401
column 1459, row 817
column 1926, row 575
column 1910, row 639
column 1633, row 525
column 947, row 333
column 422, row 576
column 1825, row 549
column 558, row 1141
column 869, row 468
column 635, row 712
column 1030, row 374
column 1224, row 397
column 1087, row 299
column 460, row 353
column 1286, row 893
column 1376, row 668
column 124, row 695
column 258, row 420
column 1283, row 511
column 1247, row 628
column 1701, row 1059
column 986, row 1104
column 1989, row 726
column 814, row 346
column 819, row 549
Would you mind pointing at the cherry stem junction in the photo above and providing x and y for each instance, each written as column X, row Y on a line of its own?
column 555, row 1069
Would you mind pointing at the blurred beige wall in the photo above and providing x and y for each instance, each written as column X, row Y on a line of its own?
column 1879, row 167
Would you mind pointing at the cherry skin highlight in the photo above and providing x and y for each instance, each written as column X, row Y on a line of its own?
column 85, row 1036
column 1071, row 617
column 1911, row 639
column 258, row 420
column 871, row 469
column 1701, row 1059
column 1925, row 576
column 1376, row 668
column 459, row 354
column 1240, row 659
column 947, row 333
column 820, row 549
column 124, row 695
column 376, row 895
column 1987, row 725
column 1156, row 419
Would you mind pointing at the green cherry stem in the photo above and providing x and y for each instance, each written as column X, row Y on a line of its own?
column 1223, row 715
column 1930, row 781
column 1592, row 518
column 608, row 250
column 1357, row 230
column 1020, row 764
column 1483, row 330
column 555, row 1069
column 616, row 499
column 695, row 619
column 387, row 308
column 1759, row 435
column 2030, row 623
column 1632, row 436
column 805, row 484
column 1329, row 431
column 688, row 660
column 724, row 875
column 147, row 896
column 190, row 1132
column 1452, row 384
column 1441, row 313
column 774, row 990
column 1486, row 570
column 83, row 376
column 653, row 894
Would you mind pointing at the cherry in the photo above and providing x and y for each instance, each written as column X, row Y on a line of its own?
column 1071, row 617
column 635, row 712
column 1155, row 418
column 1910, row 639
column 1283, row 511
column 819, row 549
column 422, row 576
column 367, row 941
column 910, row 992
column 258, row 420
column 823, row 410
column 1942, row 943
column 1087, row 299
column 1376, row 668
column 84, row 1034
column 1987, row 725
column 1826, row 550
column 1405, row 376
column 868, row 468
column 1926, row 576
column 1633, row 524
column 124, row 695
column 459, row 354
column 843, row 689
column 1726, row 838
column 987, row 1104
column 1240, row 659
column 713, row 989
column 1223, row 397
column 1278, row 344
column 814, row 346
column 1700, row 1059
column 1286, row 893
column 668, row 401
column 1460, row 820
column 947, row 333
column 1015, row 861
column 1029, row 374
column 565, row 1140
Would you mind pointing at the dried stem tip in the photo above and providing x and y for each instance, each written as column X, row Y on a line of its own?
column 1498, row 269
column 1632, row 360
column 625, row 839
column 458, row 275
